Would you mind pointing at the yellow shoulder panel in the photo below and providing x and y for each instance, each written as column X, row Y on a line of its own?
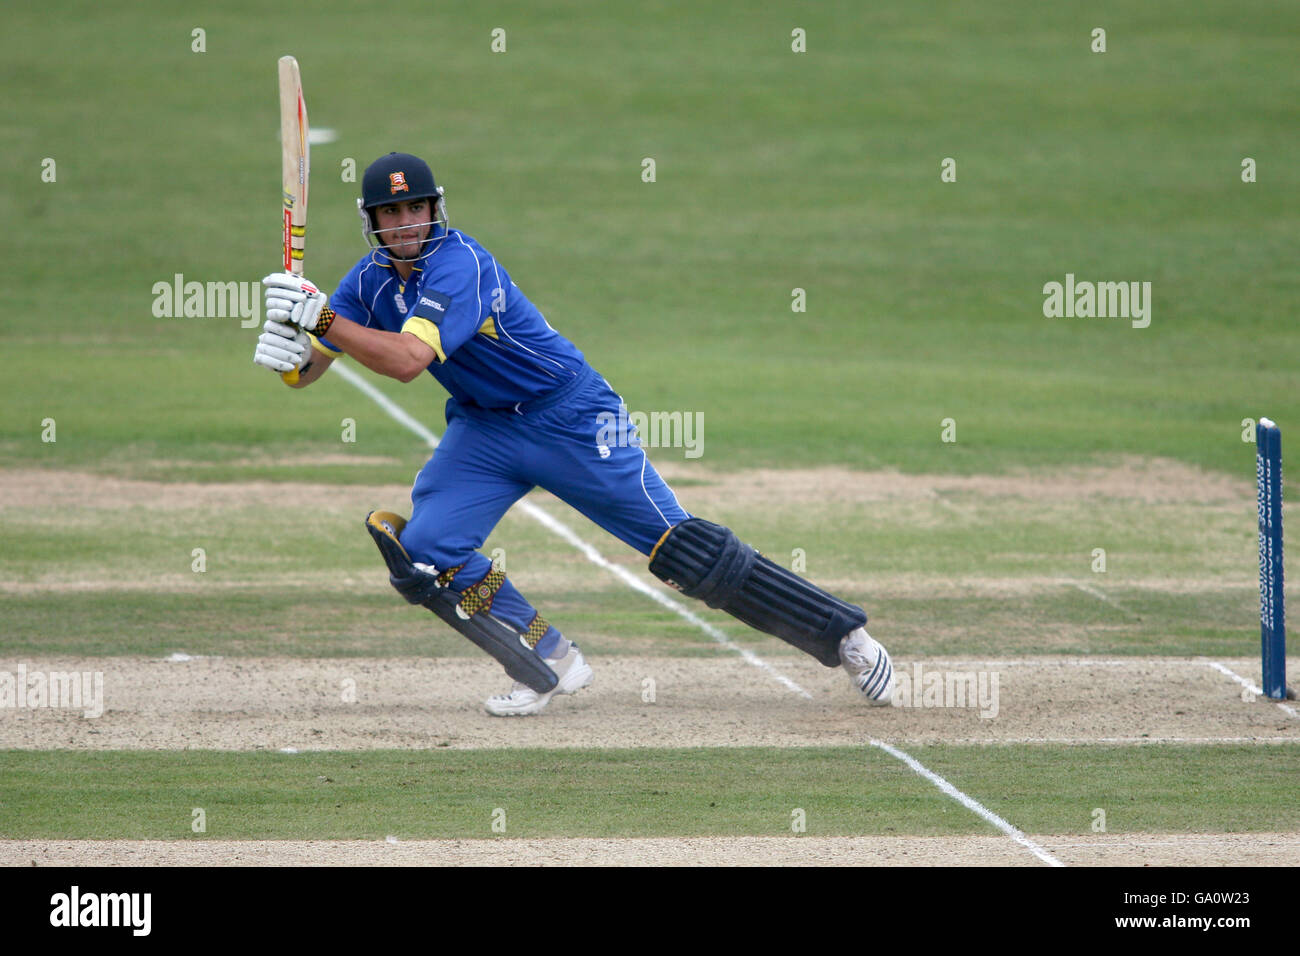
column 426, row 332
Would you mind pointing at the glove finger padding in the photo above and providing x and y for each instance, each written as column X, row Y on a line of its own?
column 264, row 359
column 278, row 356
column 286, row 281
column 281, row 353
column 280, row 347
column 306, row 314
column 280, row 309
column 283, row 299
column 291, row 298
column 284, row 329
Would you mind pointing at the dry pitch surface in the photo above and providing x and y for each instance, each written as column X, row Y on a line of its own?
column 242, row 703
column 255, row 704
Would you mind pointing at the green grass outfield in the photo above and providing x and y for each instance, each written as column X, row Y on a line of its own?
column 647, row 792
column 775, row 171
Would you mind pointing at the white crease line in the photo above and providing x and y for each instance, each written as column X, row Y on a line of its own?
column 1104, row 845
column 1257, row 691
column 970, row 804
column 623, row 574
column 1046, row 662
column 588, row 551
column 1090, row 741
column 1097, row 594
column 395, row 411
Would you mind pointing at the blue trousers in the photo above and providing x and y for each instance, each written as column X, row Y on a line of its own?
column 490, row 458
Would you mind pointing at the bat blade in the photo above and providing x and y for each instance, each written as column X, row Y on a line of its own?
column 296, row 163
column 295, row 170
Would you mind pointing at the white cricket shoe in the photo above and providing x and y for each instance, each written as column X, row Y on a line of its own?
column 522, row 701
column 869, row 666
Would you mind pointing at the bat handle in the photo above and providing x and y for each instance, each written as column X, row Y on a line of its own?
column 295, row 266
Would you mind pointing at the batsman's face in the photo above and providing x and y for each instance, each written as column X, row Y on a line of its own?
column 403, row 226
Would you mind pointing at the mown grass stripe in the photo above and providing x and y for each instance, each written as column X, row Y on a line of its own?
column 452, row 794
column 970, row 804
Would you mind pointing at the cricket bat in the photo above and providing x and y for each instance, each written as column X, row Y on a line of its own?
column 295, row 171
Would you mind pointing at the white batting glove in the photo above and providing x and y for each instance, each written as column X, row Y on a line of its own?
column 282, row 347
column 295, row 300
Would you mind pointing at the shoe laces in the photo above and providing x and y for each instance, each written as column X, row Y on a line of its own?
column 516, row 688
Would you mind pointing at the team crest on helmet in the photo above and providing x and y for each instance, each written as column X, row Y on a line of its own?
column 397, row 183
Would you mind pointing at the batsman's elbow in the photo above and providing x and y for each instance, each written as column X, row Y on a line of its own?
column 419, row 354
column 408, row 374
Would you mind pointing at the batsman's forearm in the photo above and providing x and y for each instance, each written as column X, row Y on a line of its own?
column 394, row 354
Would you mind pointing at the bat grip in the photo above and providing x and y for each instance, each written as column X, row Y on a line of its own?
column 295, row 266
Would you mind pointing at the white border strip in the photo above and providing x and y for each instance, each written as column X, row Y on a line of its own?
column 1107, row 845
column 1093, row 592
column 395, row 411
column 970, row 804
column 594, row 556
column 1141, row 741
column 1257, row 691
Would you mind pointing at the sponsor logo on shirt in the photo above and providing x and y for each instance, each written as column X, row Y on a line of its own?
column 432, row 306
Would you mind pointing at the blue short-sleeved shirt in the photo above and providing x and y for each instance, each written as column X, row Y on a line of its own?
column 494, row 348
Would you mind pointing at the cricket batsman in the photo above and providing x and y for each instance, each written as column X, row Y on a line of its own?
column 524, row 410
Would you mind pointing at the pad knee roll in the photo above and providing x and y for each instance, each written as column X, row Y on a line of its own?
column 707, row 561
